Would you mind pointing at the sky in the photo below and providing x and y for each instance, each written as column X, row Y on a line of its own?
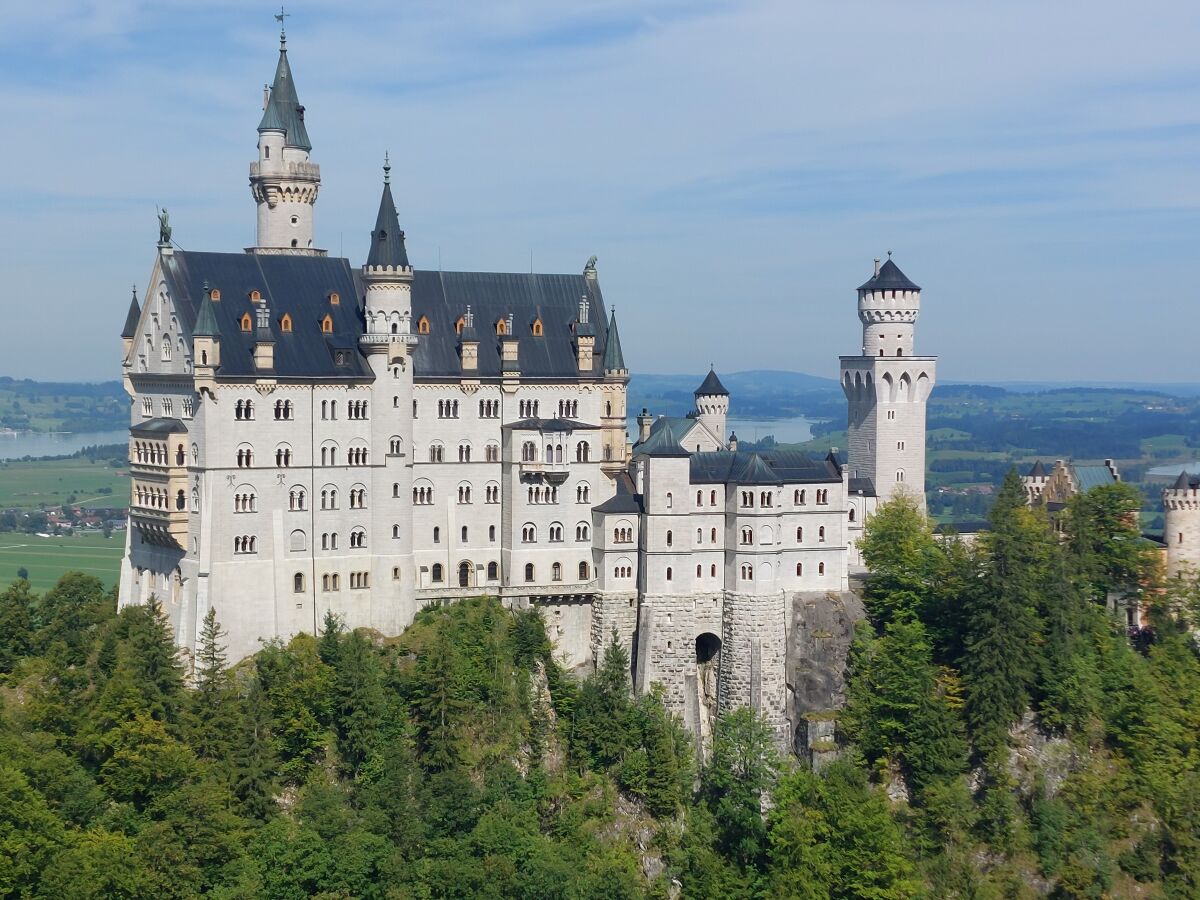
column 735, row 166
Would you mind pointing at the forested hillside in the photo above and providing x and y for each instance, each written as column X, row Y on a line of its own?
column 1003, row 738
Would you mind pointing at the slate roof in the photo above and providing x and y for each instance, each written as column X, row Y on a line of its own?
column 625, row 500
column 1088, row 477
column 298, row 285
column 387, row 240
column 864, row 486
column 1186, row 482
column 159, row 426
column 1038, row 470
column 614, row 359
column 711, row 386
column 444, row 296
column 132, row 318
column 661, row 443
column 890, row 278
column 206, row 321
column 555, row 424
column 284, row 112
column 781, row 466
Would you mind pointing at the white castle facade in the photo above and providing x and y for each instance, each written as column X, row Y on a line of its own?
column 308, row 436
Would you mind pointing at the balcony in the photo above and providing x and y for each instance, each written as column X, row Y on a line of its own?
column 406, row 339
column 162, row 527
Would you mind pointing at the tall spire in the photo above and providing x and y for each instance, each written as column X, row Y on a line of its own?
column 132, row 318
column 387, row 240
column 614, row 359
column 284, row 112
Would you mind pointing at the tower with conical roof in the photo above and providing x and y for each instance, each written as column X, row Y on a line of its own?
column 887, row 387
column 284, row 181
column 614, row 393
column 712, row 404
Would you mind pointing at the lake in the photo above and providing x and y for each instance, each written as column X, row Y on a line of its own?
column 18, row 446
column 793, row 430
column 1173, row 470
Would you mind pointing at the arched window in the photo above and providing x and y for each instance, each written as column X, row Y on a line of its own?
column 556, row 572
column 899, row 475
column 713, row 571
column 851, row 514
column 799, row 569
column 247, row 322
column 820, row 568
column 529, row 572
column 583, row 532
column 493, row 571
column 423, row 328
column 395, row 531
column 537, row 327
column 436, row 571
column 298, row 582
column 699, row 498
column 670, row 540
column 821, row 535
column 584, row 571
column 670, row 500
column 528, row 533
column 800, row 497
column 326, row 324
column 464, row 534
column 501, row 326
column 713, row 535
column 285, row 324
column 437, row 534
column 668, row 573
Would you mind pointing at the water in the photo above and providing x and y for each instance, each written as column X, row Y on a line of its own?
column 795, row 430
column 16, row 446
column 1173, row 470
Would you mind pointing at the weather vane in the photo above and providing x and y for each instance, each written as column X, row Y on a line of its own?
column 279, row 17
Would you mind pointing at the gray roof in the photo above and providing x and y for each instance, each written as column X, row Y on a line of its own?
column 387, row 240
column 550, row 425
column 614, row 359
column 625, row 500
column 890, row 278
column 554, row 299
column 1088, row 477
column 711, row 386
column 296, row 285
column 864, row 486
column 132, row 318
column 661, row 443
column 284, row 112
column 1038, row 470
column 159, row 426
column 780, row 466
column 206, row 320
column 1186, row 482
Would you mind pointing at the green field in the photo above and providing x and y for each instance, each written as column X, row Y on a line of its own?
column 49, row 483
column 47, row 558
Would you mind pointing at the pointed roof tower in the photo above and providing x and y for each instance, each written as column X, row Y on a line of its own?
column 711, row 386
column 206, row 319
column 387, row 240
column 1038, row 470
column 662, row 442
column 132, row 317
column 284, row 112
column 1183, row 482
column 614, row 359
column 889, row 278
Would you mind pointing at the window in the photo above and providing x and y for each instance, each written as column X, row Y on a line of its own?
column 529, row 452
column 492, row 493
column 584, row 571
column 699, row 571
column 396, row 531
column 821, row 535
column 891, row 414
column 326, row 324
column 245, row 456
column 360, row 580
column 283, row 456
column 329, row 498
column 668, row 573
column 799, row 569
column 464, row 453
column 501, row 327
column 670, row 500
column 243, row 410
column 396, row 446
column 556, row 532
column 529, row 572
column 247, row 322
column 851, row 514
column 358, row 498
column 437, row 534
column 285, row 324
column 168, row 407
column 187, row 407
column 820, row 568
column 298, row 583
column 357, row 456
column 244, row 501
column 556, row 572
column 670, row 539
column 395, row 573
column 423, row 494
column 899, row 445
column 493, row 571
column 464, row 493
column 283, row 410
column 436, row 571
column 899, row 475
column 747, row 536
column 583, row 532
column 699, row 498
column 583, row 494
column 528, row 534
column 436, row 453
column 537, row 327
column 799, row 535
column 245, row 544
column 713, row 535
column 583, row 451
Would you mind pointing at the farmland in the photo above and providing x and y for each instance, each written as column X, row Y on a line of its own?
column 48, row 483
column 48, row 558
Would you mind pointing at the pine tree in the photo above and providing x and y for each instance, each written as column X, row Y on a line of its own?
column 16, row 624
column 741, row 773
column 438, row 703
column 214, row 707
column 1001, row 642
column 899, row 549
column 252, row 757
column 359, row 701
column 331, row 635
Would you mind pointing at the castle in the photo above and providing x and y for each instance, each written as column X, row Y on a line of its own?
column 308, row 436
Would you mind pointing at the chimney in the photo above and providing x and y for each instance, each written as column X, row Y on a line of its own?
column 644, row 421
column 733, row 443
column 266, row 96
column 264, row 341
column 877, row 265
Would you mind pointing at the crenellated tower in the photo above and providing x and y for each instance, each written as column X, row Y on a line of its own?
column 887, row 387
column 1181, row 525
column 712, row 405
column 284, row 181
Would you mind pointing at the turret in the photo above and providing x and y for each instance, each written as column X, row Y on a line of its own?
column 712, row 404
column 614, row 392
column 283, row 181
column 264, row 341
column 1181, row 525
column 888, row 304
column 388, row 278
column 129, row 332
column 206, row 341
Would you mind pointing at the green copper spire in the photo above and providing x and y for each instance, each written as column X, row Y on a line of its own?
column 133, row 317
column 206, row 320
column 614, row 359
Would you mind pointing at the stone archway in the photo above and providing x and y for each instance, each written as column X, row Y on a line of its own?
column 466, row 574
column 708, row 667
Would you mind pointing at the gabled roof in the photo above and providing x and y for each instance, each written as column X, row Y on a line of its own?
column 1088, row 477
column 784, row 466
column 387, row 240
column 1038, row 470
column 756, row 471
column 299, row 286
column 889, row 278
column 661, row 443
column 614, row 359
column 284, row 112
column 864, row 486
column 160, row 426
column 551, row 425
column 206, row 321
column 132, row 317
column 711, row 386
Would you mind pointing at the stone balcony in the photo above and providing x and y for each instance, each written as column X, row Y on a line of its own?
column 306, row 170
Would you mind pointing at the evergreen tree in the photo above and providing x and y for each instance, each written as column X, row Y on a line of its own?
column 1001, row 643
column 329, row 644
column 253, row 762
column 359, row 706
column 737, row 780
column 438, row 703
column 16, row 624
column 214, row 713
column 903, row 557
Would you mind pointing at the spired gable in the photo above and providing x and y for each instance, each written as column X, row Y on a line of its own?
column 162, row 343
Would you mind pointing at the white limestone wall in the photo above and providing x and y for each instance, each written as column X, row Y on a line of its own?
column 1181, row 531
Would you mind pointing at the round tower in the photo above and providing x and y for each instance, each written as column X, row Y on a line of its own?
column 1181, row 525
column 712, row 405
column 283, row 180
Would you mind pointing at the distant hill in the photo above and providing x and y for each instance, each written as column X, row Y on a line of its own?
column 27, row 405
column 767, row 393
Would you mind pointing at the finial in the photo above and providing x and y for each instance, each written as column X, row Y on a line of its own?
column 387, row 168
column 204, row 287
column 135, row 292
column 889, row 254
column 279, row 17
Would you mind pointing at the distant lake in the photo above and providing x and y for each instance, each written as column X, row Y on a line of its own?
column 17, row 446
column 795, row 430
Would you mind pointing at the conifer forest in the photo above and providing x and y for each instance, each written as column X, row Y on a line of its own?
column 1005, row 735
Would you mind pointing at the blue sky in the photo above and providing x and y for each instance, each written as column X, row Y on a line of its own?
column 734, row 165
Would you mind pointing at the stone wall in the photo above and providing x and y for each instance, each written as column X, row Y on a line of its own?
column 753, row 655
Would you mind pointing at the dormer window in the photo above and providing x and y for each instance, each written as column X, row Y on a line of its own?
column 458, row 326
column 247, row 322
column 423, row 325
column 502, row 327
column 326, row 324
column 334, row 299
column 255, row 297
column 285, row 324
column 215, row 294
column 537, row 328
